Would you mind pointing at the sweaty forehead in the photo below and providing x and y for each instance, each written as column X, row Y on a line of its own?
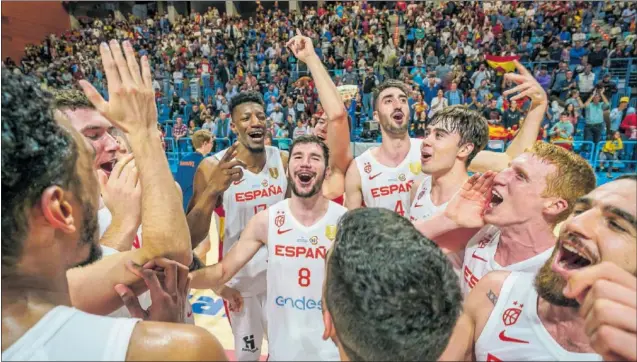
column 621, row 194
column 392, row 92
column 248, row 108
column 533, row 164
column 83, row 118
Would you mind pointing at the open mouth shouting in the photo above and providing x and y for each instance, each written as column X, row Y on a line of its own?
column 571, row 256
column 305, row 178
column 398, row 117
column 256, row 135
column 496, row 199
column 426, row 156
column 107, row 167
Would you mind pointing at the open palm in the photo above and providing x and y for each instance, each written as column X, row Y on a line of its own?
column 467, row 206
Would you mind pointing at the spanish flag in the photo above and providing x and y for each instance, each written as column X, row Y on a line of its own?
column 502, row 64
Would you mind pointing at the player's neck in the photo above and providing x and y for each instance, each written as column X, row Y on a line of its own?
column 24, row 306
column 308, row 210
column 523, row 241
column 446, row 185
column 565, row 326
column 394, row 149
column 255, row 161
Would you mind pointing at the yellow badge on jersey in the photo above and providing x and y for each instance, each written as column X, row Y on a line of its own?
column 330, row 232
column 415, row 167
column 274, row 172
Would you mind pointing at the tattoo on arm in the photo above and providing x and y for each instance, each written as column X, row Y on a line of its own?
column 492, row 297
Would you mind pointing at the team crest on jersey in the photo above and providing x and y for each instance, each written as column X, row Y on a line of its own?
column 314, row 240
column 274, row 172
column 330, row 232
column 402, row 177
column 279, row 220
column 368, row 167
column 415, row 167
column 511, row 315
column 264, row 183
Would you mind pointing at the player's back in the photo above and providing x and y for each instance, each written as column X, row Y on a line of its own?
column 68, row 334
column 388, row 187
column 241, row 201
column 296, row 269
column 514, row 331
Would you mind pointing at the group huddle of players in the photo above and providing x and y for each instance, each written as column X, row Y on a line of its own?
column 524, row 260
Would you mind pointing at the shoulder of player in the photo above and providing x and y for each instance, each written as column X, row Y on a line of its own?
column 486, row 292
column 185, row 342
column 285, row 158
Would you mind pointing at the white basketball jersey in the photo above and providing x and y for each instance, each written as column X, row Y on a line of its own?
column 422, row 208
column 68, row 334
column 296, row 269
column 514, row 331
column 479, row 258
column 388, row 187
column 241, row 201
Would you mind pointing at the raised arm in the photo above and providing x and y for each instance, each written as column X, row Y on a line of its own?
column 353, row 188
column 338, row 133
column 526, row 137
column 252, row 238
column 131, row 107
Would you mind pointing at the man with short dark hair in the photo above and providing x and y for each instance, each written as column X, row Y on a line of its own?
column 296, row 233
column 389, row 293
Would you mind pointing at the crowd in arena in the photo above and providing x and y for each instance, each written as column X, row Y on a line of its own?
column 427, row 246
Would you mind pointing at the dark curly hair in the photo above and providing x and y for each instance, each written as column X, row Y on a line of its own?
column 246, row 97
column 391, row 292
column 36, row 153
column 389, row 83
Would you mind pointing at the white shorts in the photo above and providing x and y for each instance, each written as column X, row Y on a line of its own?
column 249, row 327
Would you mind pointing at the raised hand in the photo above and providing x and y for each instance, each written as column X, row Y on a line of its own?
column 301, row 46
column 467, row 206
column 226, row 171
column 527, row 86
column 608, row 303
column 233, row 297
column 131, row 106
column 122, row 191
column 168, row 283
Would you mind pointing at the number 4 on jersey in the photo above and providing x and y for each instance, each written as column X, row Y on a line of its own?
column 399, row 209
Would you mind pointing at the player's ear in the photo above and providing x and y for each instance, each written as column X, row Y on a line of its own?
column 554, row 206
column 465, row 150
column 329, row 331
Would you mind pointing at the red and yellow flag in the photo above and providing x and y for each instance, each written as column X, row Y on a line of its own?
column 502, row 64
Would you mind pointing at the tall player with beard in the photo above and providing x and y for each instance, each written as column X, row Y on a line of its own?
column 580, row 302
column 297, row 233
column 384, row 176
column 244, row 193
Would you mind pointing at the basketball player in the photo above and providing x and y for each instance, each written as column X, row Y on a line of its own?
column 297, row 232
column 384, row 176
column 506, row 221
column 389, row 294
column 165, row 240
column 332, row 125
column 219, row 178
column 522, row 316
column 49, row 225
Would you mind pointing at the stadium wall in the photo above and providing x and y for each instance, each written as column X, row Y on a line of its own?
column 30, row 22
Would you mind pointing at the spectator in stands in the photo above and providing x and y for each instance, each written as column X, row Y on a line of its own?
column 202, row 143
column 595, row 107
column 618, row 114
column 437, row 104
column 511, row 116
column 180, row 130
column 369, row 84
column 543, row 78
column 454, row 96
column 586, row 82
column 562, row 132
column 223, row 126
column 209, row 125
column 610, row 152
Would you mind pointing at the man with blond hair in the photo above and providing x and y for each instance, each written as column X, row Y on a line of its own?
column 202, row 143
column 505, row 221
